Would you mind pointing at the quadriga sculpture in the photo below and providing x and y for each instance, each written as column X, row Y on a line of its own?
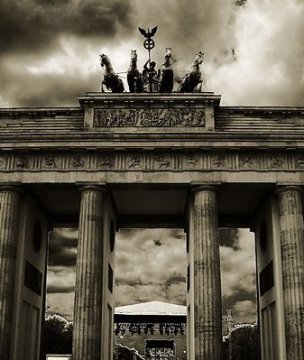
column 111, row 80
column 192, row 81
column 134, row 77
column 166, row 73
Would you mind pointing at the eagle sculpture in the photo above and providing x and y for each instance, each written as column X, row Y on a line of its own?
column 148, row 34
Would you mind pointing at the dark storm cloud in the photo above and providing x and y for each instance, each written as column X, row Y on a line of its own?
column 146, row 271
column 62, row 248
column 34, row 24
column 50, row 48
column 158, row 243
column 229, row 237
column 176, row 279
column 242, row 295
column 65, row 236
column 47, row 89
column 132, row 282
column 240, row 2
column 52, row 289
column 178, row 234
column 62, row 257
column 238, row 266
column 198, row 25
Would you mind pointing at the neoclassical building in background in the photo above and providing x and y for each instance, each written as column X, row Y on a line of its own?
column 151, row 160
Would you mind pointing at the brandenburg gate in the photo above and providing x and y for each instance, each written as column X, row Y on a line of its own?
column 151, row 160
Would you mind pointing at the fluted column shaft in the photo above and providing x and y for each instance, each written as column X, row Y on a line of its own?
column 207, row 281
column 9, row 208
column 292, row 256
column 88, row 292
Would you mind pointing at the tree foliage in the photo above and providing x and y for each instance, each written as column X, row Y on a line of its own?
column 56, row 335
column 245, row 344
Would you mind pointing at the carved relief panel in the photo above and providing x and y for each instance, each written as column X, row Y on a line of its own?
column 104, row 118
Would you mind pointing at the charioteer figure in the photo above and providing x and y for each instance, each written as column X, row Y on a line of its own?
column 150, row 77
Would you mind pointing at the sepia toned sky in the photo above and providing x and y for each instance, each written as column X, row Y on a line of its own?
column 253, row 49
column 254, row 55
column 151, row 266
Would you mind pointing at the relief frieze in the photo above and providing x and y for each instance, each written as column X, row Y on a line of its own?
column 149, row 118
column 162, row 161
column 219, row 161
column 247, row 161
column 78, row 162
column 2, row 162
column 22, row 162
column 134, row 162
column 276, row 162
column 147, row 160
column 50, row 162
column 300, row 163
column 191, row 161
column 107, row 162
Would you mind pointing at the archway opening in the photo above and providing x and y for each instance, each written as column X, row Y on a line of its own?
column 151, row 266
column 241, row 337
column 150, row 293
column 59, row 304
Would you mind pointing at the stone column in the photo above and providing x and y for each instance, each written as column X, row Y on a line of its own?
column 207, row 281
column 9, row 208
column 292, row 256
column 88, row 292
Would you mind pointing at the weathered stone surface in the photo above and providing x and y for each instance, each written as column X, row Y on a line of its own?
column 292, row 250
column 167, row 140
column 207, row 282
column 9, row 207
column 149, row 118
column 151, row 160
column 88, row 292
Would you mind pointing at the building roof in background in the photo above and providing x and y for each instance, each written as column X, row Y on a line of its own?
column 152, row 308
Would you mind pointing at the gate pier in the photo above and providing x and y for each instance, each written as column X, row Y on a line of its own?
column 151, row 160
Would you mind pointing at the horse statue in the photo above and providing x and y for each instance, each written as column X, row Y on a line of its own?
column 134, row 76
column 111, row 80
column 166, row 73
column 192, row 81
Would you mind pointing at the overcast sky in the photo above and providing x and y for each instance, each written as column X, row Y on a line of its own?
column 49, row 48
column 151, row 266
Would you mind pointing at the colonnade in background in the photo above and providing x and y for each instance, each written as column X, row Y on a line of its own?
column 94, row 301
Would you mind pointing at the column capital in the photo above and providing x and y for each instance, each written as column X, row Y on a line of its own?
column 283, row 188
column 195, row 188
column 11, row 188
column 97, row 187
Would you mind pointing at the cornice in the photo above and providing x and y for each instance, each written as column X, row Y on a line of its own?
column 125, row 100
column 152, row 140
column 264, row 111
column 38, row 111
